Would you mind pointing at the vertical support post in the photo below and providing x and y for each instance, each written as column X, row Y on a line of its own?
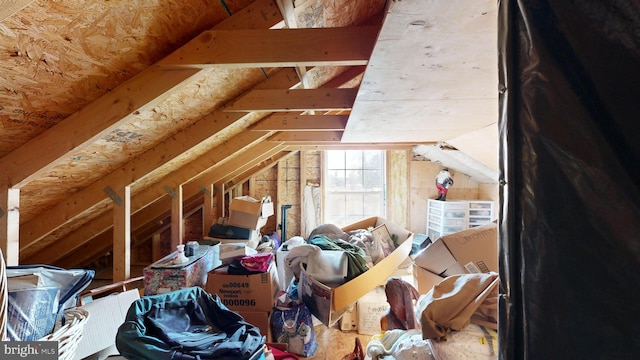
column 156, row 248
column 177, row 224
column 10, row 225
column 121, row 234
column 208, row 216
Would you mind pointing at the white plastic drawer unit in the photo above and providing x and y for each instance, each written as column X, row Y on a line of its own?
column 480, row 213
column 446, row 217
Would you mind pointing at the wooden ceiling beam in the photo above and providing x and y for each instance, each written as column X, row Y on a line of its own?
column 90, row 251
column 73, row 240
column 244, row 160
column 307, row 136
column 301, row 145
column 291, row 122
column 202, row 130
column 337, row 46
column 274, row 100
column 190, row 171
column 140, row 215
column 250, row 163
column 257, row 169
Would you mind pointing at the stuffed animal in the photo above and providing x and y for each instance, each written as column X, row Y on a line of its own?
column 443, row 182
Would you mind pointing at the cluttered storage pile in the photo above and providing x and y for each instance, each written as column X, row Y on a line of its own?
column 452, row 316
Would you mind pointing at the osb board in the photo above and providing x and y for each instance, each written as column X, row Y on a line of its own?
column 350, row 12
column 92, row 163
column 68, row 228
column 146, row 130
column 57, row 56
column 266, row 183
column 289, row 193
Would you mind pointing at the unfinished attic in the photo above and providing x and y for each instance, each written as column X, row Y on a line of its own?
column 130, row 129
column 121, row 118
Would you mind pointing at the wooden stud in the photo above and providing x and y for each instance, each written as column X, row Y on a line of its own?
column 10, row 225
column 295, row 100
column 291, row 122
column 122, row 236
column 333, row 46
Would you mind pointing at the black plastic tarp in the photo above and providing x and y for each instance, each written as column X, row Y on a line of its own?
column 570, row 171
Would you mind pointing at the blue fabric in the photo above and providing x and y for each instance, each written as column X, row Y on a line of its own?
column 186, row 324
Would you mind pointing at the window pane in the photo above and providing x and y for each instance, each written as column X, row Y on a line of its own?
column 354, row 180
column 372, row 180
column 335, row 206
column 336, row 180
column 355, row 206
column 372, row 159
column 335, row 159
column 353, row 159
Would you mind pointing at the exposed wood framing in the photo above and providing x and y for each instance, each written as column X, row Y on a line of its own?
column 277, row 48
column 90, row 123
column 177, row 223
column 122, row 235
column 10, row 224
column 295, row 100
column 201, row 131
column 290, row 122
column 309, row 136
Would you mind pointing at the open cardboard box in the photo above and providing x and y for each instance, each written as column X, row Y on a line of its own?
column 469, row 251
column 328, row 303
column 250, row 213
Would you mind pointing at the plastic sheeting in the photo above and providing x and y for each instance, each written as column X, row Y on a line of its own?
column 570, row 170
column 38, row 296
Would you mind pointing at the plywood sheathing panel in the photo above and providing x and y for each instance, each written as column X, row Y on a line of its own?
column 57, row 56
column 355, row 12
column 146, row 130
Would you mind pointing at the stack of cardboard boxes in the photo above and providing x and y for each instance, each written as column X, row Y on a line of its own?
column 252, row 296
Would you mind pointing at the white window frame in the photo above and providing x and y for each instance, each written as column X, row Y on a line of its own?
column 356, row 213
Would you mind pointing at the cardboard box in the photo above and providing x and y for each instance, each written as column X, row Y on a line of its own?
column 163, row 276
column 260, row 319
column 424, row 279
column 106, row 314
column 250, row 213
column 328, row 303
column 470, row 251
column 371, row 308
column 255, row 292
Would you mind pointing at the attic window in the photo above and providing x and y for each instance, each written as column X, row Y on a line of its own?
column 354, row 185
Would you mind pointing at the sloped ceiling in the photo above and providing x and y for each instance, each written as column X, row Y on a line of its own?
column 96, row 96
column 433, row 76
